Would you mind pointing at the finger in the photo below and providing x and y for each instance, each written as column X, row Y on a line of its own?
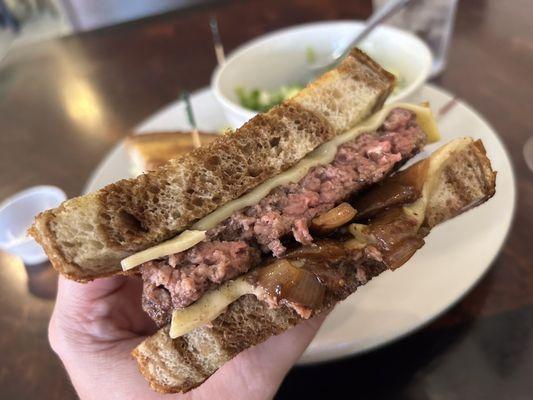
column 128, row 301
column 82, row 303
column 115, row 372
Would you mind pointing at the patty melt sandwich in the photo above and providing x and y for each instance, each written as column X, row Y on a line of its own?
column 264, row 227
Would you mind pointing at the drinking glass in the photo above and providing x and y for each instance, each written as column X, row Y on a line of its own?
column 432, row 21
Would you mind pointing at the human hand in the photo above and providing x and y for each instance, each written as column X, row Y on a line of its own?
column 95, row 326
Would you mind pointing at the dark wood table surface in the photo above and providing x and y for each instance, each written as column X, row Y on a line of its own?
column 64, row 104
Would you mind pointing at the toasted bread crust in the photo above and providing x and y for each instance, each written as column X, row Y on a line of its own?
column 462, row 188
column 86, row 237
column 201, row 344
column 248, row 322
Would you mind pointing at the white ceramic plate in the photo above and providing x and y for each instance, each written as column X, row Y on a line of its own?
column 455, row 257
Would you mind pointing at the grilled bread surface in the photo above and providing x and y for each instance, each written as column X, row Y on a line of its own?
column 87, row 237
column 467, row 181
column 179, row 365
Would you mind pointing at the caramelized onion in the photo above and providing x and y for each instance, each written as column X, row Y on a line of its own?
column 402, row 188
column 328, row 250
column 285, row 281
column 391, row 228
column 333, row 219
column 395, row 233
column 307, row 290
column 402, row 252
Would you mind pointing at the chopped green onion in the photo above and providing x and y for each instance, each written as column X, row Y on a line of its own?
column 188, row 109
column 263, row 100
column 310, row 55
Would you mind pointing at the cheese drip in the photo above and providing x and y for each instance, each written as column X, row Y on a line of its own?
column 182, row 242
column 210, row 306
column 323, row 154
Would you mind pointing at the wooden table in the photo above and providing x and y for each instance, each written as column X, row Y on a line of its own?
column 66, row 102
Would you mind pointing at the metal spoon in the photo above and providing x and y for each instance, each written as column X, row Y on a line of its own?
column 388, row 9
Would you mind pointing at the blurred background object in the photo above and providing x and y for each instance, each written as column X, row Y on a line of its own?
column 217, row 40
column 379, row 16
column 16, row 217
column 528, row 153
column 88, row 14
column 28, row 21
column 432, row 21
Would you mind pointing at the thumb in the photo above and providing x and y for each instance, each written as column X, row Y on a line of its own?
column 84, row 314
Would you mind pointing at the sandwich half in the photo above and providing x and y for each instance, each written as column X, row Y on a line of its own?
column 394, row 217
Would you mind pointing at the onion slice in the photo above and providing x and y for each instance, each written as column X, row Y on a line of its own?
column 333, row 219
column 283, row 280
column 393, row 232
column 402, row 188
column 402, row 252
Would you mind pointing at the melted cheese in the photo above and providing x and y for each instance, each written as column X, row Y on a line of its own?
column 182, row 242
column 210, row 306
column 323, row 154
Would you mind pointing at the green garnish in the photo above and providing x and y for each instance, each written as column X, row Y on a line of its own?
column 310, row 55
column 263, row 100
column 188, row 108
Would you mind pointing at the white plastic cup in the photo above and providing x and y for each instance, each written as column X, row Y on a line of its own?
column 16, row 216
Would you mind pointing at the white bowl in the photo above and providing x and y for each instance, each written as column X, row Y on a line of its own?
column 279, row 58
column 16, row 216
